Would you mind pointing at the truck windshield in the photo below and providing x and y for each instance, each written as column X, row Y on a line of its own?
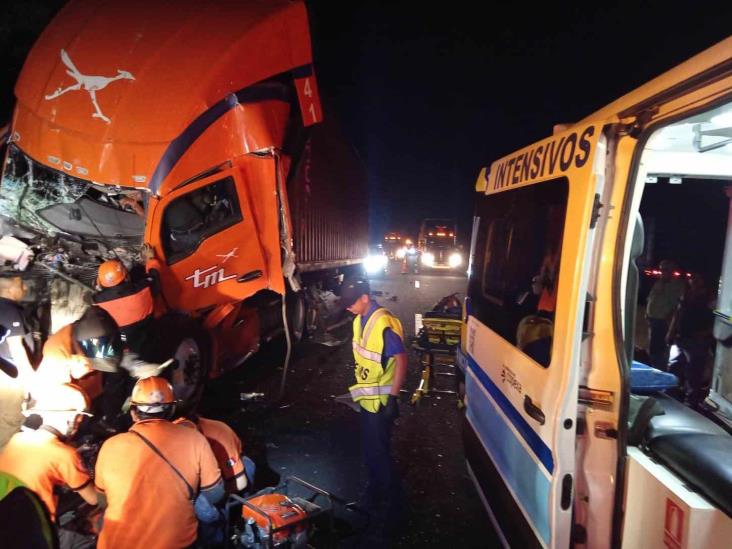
column 47, row 201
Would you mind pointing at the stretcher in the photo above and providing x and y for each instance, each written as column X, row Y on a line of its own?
column 435, row 345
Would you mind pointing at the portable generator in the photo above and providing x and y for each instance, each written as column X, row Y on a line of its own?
column 276, row 518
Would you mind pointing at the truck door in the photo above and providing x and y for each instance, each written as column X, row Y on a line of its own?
column 207, row 239
column 527, row 292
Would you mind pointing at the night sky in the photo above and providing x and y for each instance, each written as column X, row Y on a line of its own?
column 430, row 94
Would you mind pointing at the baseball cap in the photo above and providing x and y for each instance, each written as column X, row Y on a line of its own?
column 351, row 289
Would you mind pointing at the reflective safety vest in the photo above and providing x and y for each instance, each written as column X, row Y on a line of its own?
column 373, row 381
column 22, row 510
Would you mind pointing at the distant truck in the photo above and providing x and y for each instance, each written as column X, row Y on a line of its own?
column 208, row 116
column 437, row 244
column 396, row 245
column 393, row 242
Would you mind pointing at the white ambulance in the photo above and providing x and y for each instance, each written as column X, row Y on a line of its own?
column 571, row 439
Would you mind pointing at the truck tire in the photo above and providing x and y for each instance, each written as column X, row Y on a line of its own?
column 296, row 310
column 189, row 344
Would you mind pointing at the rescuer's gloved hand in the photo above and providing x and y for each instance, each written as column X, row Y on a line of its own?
column 391, row 410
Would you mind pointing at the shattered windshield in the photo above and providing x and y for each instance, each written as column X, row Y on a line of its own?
column 48, row 201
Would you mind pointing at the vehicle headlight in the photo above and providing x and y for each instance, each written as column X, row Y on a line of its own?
column 455, row 260
column 374, row 263
column 401, row 252
column 428, row 259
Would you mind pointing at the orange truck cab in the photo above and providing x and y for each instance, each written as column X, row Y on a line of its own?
column 205, row 118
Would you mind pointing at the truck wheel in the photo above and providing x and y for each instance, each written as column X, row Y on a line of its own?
column 296, row 313
column 190, row 345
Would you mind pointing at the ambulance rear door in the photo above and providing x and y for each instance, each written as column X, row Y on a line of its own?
column 526, row 299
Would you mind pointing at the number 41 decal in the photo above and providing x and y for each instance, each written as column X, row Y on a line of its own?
column 308, row 96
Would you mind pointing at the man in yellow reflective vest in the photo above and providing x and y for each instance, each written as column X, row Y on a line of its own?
column 381, row 366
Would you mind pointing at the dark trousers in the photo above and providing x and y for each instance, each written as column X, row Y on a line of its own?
column 657, row 348
column 690, row 366
column 383, row 484
column 116, row 388
column 68, row 539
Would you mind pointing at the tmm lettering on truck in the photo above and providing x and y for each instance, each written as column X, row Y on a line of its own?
column 543, row 160
column 211, row 279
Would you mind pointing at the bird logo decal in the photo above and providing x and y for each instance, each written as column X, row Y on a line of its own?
column 90, row 84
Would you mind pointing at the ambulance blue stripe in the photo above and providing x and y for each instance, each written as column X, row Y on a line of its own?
column 517, row 467
column 538, row 446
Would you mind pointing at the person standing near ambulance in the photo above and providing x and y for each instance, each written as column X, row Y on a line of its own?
column 663, row 299
column 381, row 367
column 151, row 475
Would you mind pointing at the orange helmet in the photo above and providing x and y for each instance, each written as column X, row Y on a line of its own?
column 152, row 395
column 111, row 273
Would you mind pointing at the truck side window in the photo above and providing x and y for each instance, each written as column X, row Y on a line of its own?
column 517, row 264
column 190, row 219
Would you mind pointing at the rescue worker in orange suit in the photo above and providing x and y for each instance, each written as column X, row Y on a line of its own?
column 42, row 460
column 79, row 353
column 151, row 474
column 130, row 303
column 548, row 276
column 22, row 512
column 133, row 202
column 237, row 469
column 381, row 367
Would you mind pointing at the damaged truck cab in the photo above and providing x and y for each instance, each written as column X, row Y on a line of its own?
column 178, row 135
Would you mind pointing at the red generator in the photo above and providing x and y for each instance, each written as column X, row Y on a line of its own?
column 275, row 517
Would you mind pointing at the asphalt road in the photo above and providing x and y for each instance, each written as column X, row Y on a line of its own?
column 308, row 434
